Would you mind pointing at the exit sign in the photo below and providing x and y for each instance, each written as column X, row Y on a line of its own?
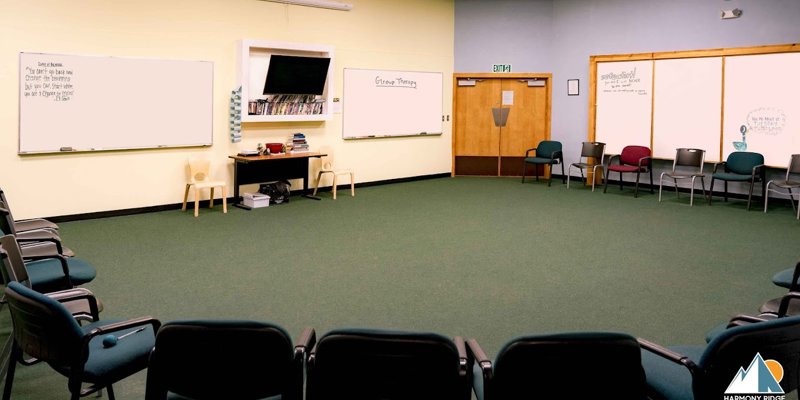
column 501, row 67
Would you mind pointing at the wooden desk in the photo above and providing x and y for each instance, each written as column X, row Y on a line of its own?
column 258, row 169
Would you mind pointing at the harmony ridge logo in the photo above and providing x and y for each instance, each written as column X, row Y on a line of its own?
column 761, row 377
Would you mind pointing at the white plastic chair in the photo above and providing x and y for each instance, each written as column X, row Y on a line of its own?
column 200, row 179
column 327, row 168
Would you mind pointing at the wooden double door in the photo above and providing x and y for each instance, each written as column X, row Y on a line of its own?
column 480, row 146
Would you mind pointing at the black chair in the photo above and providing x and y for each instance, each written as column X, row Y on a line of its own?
column 594, row 151
column 45, row 329
column 707, row 372
column 547, row 152
column 30, row 224
column 227, row 360
column 567, row 365
column 741, row 166
column 34, row 242
column 361, row 364
column 44, row 273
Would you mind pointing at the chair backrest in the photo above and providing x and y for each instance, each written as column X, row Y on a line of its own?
column 585, row 365
column 371, row 364
column 689, row 158
column 734, row 351
column 794, row 166
column 546, row 148
column 6, row 220
column 594, row 150
column 43, row 328
column 223, row 359
column 13, row 266
column 742, row 162
column 631, row 155
column 199, row 169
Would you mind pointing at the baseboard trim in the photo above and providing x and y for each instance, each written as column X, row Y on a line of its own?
column 204, row 203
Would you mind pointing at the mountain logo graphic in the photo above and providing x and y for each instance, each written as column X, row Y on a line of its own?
column 761, row 377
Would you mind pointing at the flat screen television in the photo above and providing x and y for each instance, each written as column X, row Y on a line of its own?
column 296, row 75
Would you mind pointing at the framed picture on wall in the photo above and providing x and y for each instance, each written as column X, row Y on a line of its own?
column 573, row 87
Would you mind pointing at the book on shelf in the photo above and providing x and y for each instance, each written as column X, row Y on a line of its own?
column 287, row 104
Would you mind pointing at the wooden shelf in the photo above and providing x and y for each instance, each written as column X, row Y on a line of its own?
column 253, row 57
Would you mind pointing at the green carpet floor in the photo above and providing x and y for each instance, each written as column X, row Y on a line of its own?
column 484, row 258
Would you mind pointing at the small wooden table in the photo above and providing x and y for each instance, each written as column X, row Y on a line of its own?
column 275, row 167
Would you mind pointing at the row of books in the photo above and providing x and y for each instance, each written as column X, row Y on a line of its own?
column 298, row 143
column 263, row 107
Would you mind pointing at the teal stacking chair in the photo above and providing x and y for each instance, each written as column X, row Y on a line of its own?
column 243, row 360
column 707, row 372
column 549, row 153
column 741, row 166
column 34, row 242
column 46, row 273
column 602, row 365
column 366, row 364
column 43, row 328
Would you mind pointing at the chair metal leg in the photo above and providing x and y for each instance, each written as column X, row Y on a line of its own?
column 798, row 208
column 352, row 184
column 711, row 190
column 620, row 180
column 791, row 198
column 524, row 169
column 334, row 186
column 766, row 198
column 636, row 190
column 750, row 195
column 726, row 190
column 570, row 174
column 660, row 184
column 550, row 181
column 211, row 199
column 605, row 185
column 691, row 193
column 110, row 390
column 583, row 179
column 12, row 364
column 563, row 175
column 677, row 192
column 651, row 180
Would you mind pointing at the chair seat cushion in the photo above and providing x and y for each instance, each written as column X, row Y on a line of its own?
column 209, row 184
column 668, row 379
column 784, row 278
column 540, row 160
column 623, row 168
column 48, row 273
column 110, row 364
column 728, row 176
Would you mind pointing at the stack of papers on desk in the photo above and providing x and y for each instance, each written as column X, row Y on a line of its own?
column 248, row 152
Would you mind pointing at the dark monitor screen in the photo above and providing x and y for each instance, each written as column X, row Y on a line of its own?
column 296, row 75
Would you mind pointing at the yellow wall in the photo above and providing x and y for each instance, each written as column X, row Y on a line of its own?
column 415, row 35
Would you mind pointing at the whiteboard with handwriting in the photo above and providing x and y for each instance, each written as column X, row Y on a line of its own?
column 380, row 103
column 90, row 103
column 624, row 101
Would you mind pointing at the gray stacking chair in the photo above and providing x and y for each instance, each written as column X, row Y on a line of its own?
column 589, row 150
column 688, row 164
column 791, row 181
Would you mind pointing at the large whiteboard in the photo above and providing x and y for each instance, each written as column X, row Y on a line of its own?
column 761, row 94
column 380, row 103
column 86, row 103
column 624, row 103
column 686, row 106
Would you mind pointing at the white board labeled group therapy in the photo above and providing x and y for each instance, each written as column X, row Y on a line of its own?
column 89, row 103
column 384, row 103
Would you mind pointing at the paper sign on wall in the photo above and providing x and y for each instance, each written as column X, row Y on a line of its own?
column 508, row 97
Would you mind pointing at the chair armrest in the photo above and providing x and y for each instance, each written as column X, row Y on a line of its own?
column 306, row 341
column 612, row 157
column 670, row 355
column 480, row 356
column 528, row 152
column 557, row 155
column 42, row 236
column 463, row 360
column 743, row 319
column 717, row 164
column 758, row 169
column 649, row 158
column 78, row 294
column 118, row 326
column 785, row 300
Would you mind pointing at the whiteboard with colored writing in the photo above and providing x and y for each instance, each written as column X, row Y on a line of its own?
column 91, row 103
column 380, row 103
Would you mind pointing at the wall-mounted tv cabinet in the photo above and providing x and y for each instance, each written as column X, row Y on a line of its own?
column 254, row 57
